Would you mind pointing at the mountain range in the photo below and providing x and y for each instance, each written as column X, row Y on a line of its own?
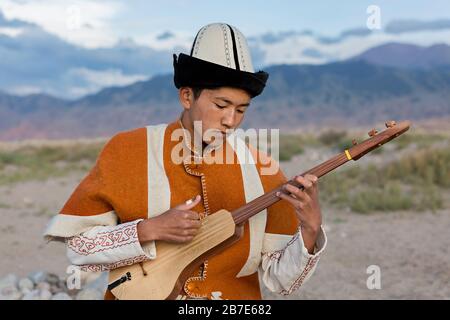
column 34, row 60
column 391, row 81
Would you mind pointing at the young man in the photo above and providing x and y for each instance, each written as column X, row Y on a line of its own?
column 137, row 193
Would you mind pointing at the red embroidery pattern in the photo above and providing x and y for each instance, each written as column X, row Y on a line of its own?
column 299, row 281
column 124, row 235
column 276, row 255
column 111, row 266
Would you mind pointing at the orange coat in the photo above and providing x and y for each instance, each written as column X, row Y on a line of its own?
column 118, row 182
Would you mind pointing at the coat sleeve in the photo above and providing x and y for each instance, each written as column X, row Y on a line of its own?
column 108, row 247
column 285, row 261
column 91, row 222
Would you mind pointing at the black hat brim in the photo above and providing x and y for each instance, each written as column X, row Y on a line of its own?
column 193, row 72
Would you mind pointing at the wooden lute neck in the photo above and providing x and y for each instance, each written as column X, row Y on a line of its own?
column 393, row 130
column 255, row 206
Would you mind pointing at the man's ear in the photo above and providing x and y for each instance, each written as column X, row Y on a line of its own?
column 186, row 96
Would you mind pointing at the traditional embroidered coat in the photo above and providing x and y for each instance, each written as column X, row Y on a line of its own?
column 135, row 178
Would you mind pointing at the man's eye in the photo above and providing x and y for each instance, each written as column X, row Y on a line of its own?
column 219, row 106
column 240, row 111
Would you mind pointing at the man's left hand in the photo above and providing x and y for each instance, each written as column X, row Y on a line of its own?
column 305, row 201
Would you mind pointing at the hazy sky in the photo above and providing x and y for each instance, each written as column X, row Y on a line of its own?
column 105, row 21
column 256, row 16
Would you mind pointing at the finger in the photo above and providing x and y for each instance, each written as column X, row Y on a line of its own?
column 191, row 215
column 180, row 233
column 189, row 232
column 180, row 239
column 298, row 193
column 301, row 198
column 287, row 198
column 304, row 182
column 189, row 204
column 192, row 224
column 312, row 178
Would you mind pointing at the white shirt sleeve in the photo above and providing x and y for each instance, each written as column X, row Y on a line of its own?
column 286, row 263
column 105, row 248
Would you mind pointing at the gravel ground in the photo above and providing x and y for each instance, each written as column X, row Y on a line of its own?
column 410, row 248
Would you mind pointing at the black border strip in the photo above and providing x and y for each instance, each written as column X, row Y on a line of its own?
column 195, row 40
column 235, row 53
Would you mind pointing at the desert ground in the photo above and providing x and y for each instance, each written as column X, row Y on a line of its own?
column 410, row 247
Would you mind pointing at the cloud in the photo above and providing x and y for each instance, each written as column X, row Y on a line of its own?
column 404, row 26
column 35, row 58
column 105, row 78
column 83, row 22
column 78, row 82
column 181, row 41
column 11, row 32
column 14, row 23
column 165, row 35
column 25, row 90
column 311, row 48
column 358, row 32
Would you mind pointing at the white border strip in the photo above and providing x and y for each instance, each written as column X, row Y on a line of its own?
column 65, row 225
column 158, row 184
column 253, row 189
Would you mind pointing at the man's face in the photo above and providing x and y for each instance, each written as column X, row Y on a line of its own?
column 219, row 109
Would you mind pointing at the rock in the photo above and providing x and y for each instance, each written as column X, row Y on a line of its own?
column 45, row 295
column 26, row 284
column 62, row 283
column 32, row 295
column 52, row 279
column 10, row 292
column 9, row 280
column 25, row 291
column 43, row 286
column 61, row 296
column 8, row 288
column 55, row 289
column 89, row 294
column 38, row 276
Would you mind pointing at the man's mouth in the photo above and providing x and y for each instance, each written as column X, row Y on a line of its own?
column 227, row 132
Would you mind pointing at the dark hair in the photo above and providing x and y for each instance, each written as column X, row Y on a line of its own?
column 197, row 91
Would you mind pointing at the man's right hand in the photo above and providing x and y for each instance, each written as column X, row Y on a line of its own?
column 179, row 224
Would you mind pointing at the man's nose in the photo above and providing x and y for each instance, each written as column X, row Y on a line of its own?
column 229, row 119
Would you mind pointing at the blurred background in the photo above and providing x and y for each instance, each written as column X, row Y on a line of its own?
column 74, row 73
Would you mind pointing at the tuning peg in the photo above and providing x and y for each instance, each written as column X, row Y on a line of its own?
column 390, row 124
column 354, row 142
column 372, row 132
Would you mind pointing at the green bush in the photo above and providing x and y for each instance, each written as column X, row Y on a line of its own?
column 332, row 137
column 390, row 198
column 290, row 145
column 416, row 181
column 38, row 163
column 419, row 139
